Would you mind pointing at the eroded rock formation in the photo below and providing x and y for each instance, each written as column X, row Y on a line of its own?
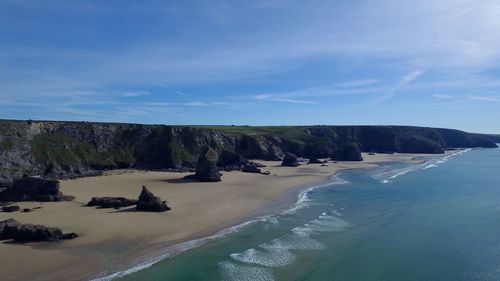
column 150, row 203
column 290, row 160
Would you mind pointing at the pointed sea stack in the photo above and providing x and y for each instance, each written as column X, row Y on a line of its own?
column 150, row 203
column 206, row 169
column 290, row 160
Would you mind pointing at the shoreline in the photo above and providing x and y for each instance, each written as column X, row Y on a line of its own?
column 97, row 255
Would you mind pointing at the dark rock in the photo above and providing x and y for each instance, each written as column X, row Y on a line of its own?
column 12, row 229
column 111, row 202
column 68, row 236
column 250, row 167
column 35, row 233
column 259, row 165
column 26, row 210
column 266, row 173
column 290, row 160
column 231, row 161
column 347, row 152
column 32, row 189
column 324, row 165
column 8, row 228
column 148, row 202
column 206, row 169
column 10, row 209
column 315, row 161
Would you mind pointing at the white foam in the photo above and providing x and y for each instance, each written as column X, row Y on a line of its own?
column 336, row 213
column 273, row 257
column 328, row 224
column 176, row 249
column 294, row 241
column 231, row 271
column 388, row 176
column 303, row 197
column 169, row 252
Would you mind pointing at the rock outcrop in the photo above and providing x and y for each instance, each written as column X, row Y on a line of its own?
column 315, row 161
column 12, row 229
column 347, row 152
column 111, row 202
column 290, row 160
column 10, row 209
column 206, row 170
column 59, row 150
column 251, row 167
column 150, row 203
column 32, row 189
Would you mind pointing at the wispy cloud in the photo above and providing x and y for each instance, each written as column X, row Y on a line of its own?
column 484, row 98
column 295, row 101
column 136, row 94
column 442, row 96
column 402, row 82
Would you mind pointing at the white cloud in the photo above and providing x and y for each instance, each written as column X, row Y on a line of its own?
column 295, row 101
column 402, row 82
column 136, row 94
column 442, row 96
column 484, row 98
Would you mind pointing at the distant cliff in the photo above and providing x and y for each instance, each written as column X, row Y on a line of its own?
column 69, row 149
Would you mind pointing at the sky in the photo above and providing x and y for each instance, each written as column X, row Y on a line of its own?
column 283, row 62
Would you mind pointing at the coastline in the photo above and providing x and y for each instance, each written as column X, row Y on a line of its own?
column 101, row 252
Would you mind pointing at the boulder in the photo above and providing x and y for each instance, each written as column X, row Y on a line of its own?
column 34, row 233
column 315, row 161
column 150, row 203
column 111, row 202
column 12, row 229
column 7, row 228
column 259, row 165
column 67, row 236
column 347, row 152
column 290, row 160
column 10, row 209
column 32, row 189
column 206, row 170
column 250, row 167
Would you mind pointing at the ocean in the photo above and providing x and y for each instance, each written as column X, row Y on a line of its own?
column 439, row 220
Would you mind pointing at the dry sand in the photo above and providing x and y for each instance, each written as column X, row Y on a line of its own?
column 114, row 240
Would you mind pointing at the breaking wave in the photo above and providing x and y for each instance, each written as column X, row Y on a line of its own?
column 388, row 176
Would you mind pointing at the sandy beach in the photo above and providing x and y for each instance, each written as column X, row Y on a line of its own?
column 113, row 240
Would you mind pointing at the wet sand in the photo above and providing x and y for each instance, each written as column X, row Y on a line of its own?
column 113, row 240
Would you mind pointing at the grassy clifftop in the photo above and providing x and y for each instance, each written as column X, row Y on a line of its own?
column 64, row 149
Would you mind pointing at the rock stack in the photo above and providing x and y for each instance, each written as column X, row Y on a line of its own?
column 290, row 160
column 150, row 203
column 206, row 170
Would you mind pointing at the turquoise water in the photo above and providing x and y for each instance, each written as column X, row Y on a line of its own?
column 434, row 221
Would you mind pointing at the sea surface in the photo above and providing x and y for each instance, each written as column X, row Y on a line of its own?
column 439, row 220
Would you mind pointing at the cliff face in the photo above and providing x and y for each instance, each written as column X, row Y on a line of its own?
column 67, row 149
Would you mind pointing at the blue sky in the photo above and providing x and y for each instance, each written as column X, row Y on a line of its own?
column 427, row 63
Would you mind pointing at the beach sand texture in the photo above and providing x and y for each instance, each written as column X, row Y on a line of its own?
column 113, row 240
